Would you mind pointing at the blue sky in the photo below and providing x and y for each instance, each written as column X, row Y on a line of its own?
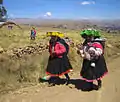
column 64, row 9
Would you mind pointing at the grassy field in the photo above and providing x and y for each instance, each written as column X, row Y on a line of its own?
column 25, row 71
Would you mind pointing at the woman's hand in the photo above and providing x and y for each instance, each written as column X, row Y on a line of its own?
column 78, row 51
column 53, row 53
column 80, row 46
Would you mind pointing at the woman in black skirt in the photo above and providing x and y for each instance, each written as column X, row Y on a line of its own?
column 58, row 63
column 94, row 65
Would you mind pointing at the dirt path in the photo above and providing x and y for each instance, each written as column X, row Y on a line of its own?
column 110, row 91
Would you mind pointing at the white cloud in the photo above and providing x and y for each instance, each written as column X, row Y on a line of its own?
column 87, row 2
column 11, row 15
column 48, row 14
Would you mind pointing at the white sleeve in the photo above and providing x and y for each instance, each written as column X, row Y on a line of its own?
column 98, row 51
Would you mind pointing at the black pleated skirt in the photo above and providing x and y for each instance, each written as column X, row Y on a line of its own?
column 89, row 73
column 58, row 66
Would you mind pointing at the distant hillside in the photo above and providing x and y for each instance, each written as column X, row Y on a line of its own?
column 73, row 24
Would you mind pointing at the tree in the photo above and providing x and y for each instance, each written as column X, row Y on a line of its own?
column 3, row 14
column 1, row 1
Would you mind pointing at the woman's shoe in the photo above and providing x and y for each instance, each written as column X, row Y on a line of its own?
column 99, row 84
column 67, row 82
column 51, row 84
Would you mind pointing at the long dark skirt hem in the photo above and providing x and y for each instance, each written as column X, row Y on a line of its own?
column 48, row 73
column 94, row 79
